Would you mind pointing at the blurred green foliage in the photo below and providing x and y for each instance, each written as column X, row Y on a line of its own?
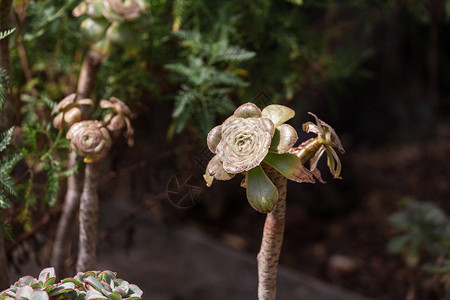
column 203, row 57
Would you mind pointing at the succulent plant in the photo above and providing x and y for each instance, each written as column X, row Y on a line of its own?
column 84, row 286
column 260, row 145
column 121, row 10
column 43, row 288
column 119, row 118
column 105, row 285
column 68, row 111
column 314, row 148
column 90, row 140
column 248, row 138
column 109, row 23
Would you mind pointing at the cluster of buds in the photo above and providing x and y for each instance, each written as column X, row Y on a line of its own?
column 251, row 137
column 91, row 139
column 111, row 23
column 84, row 286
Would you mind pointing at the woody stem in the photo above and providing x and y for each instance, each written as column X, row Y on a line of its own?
column 272, row 240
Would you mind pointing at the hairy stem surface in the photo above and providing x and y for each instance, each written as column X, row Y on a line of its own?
column 62, row 245
column 88, row 219
column 272, row 240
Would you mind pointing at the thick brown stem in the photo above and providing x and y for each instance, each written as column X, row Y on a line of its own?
column 61, row 249
column 62, row 244
column 88, row 74
column 4, row 278
column 88, row 219
column 272, row 240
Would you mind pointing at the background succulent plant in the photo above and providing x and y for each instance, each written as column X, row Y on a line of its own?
column 68, row 111
column 84, row 286
column 90, row 140
column 119, row 118
column 110, row 23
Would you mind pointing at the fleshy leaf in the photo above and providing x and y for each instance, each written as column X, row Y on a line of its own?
column 261, row 192
column 94, row 295
column 290, row 166
column 278, row 113
column 247, row 110
column 62, row 288
column 135, row 290
column 214, row 137
column 24, row 292
column 283, row 139
column 215, row 169
column 114, row 296
column 268, row 125
column 39, row 295
column 94, row 283
column 74, row 281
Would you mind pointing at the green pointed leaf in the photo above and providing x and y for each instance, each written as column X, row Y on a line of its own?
column 290, row 166
column 114, row 296
column 278, row 113
column 261, row 192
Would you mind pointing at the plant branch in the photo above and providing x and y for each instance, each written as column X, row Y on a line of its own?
column 61, row 247
column 88, row 219
column 272, row 239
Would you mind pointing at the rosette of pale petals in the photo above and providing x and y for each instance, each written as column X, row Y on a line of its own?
column 248, row 138
column 120, row 10
column 112, row 10
column 119, row 118
column 92, row 8
column 325, row 142
column 89, row 139
column 68, row 111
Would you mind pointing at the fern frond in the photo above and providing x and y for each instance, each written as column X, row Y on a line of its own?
column 49, row 102
column 184, row 98
column 3, row 86
column 188, row 35
column 205, row 118
column 7, row 185
column 52, row 186
column 5, row 138
column 68, row 172
column 180, row 69
column 224, row 105
column 8, row 162
column 6, row 33
column 228, row 78
column 4, row 201
column 234, row 53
